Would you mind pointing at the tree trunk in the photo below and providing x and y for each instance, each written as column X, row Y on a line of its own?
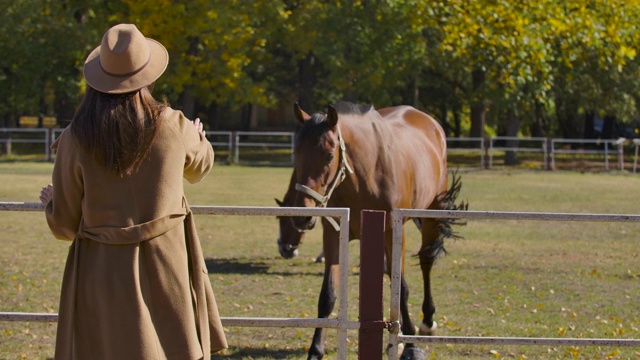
column 416, row 93
column 608, row 126
column 188, row 103
column 566, row 112
column 307, row 79
column 212, row 117
column 245, row 114
column 444, row 118
column 457, row 129
column 538, row 127
column 513, row 127
column 589, row 131
column 64, row 109
column 478, row 108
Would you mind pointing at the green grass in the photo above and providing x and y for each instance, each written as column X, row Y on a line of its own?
column 505, row 278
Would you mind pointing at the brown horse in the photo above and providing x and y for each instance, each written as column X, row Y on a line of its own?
column 293, row 236
column 289, row 248
column 357, row 157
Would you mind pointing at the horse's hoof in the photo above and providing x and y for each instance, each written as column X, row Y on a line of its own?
column 413, row 353
column 428, row 331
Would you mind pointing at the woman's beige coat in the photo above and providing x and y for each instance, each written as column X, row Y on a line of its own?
column 135, row 284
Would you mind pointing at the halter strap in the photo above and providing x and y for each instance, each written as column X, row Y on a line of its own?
column 322, row 201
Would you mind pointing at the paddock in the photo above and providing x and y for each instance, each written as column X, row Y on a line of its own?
column 458, row 276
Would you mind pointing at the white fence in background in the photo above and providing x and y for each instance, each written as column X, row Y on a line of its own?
column 397, row 216
column 238, row 143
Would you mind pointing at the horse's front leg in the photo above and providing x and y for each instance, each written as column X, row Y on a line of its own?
column 327, row 299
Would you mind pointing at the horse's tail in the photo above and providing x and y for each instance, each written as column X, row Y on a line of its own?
column 447, row 201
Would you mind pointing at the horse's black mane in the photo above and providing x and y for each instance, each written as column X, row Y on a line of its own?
column 345, row 107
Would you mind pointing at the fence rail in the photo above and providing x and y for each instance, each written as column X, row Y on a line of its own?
column 397, row 219
column 276, row 147
column 341, row 323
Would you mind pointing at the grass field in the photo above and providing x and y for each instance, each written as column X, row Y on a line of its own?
column 505, row 278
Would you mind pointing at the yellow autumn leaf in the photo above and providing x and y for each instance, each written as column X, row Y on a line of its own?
column 628, row 52
column 562, row 330
column 612, row 354
column 574, row 351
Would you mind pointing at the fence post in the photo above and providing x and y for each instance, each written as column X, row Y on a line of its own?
column 371, row 275
column 234, row 156
column 606, row 155
column 548, row 161
column 620, row 142
column 7, row 143
column 636, row 142
column 488, row 153
column 47, row 144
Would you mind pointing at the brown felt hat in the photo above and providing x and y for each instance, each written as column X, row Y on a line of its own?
column 125, row 61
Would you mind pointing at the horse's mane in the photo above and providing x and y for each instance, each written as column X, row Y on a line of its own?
column 345, row 107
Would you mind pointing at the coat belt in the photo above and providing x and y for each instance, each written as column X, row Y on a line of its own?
column 136, row 233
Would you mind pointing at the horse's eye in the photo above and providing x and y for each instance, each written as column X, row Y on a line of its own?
column 329, row 157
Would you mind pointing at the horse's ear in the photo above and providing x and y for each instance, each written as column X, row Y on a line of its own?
column 332, row 116
column 300, row 115
column 280, row 203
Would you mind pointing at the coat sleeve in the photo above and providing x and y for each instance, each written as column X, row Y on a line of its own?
column 199, row 152
column 64, row 211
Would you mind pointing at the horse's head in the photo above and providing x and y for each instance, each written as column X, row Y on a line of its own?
column 289, row 238
column 319, row 162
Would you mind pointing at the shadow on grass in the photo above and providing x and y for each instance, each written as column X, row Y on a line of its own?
column 235, row 266
column 245, row 353
column 249, row 267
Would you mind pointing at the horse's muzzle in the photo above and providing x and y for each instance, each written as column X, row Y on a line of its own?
column 287, row 251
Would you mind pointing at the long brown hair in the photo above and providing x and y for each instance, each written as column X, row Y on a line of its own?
column 117, row 129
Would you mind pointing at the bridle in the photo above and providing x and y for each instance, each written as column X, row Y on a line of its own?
column 323, row 200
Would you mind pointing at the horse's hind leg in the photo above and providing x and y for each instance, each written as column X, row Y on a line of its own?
column 432, row 246
column 410, row 351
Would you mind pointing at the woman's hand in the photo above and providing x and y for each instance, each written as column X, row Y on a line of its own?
column 46, row 194
column 198, row 126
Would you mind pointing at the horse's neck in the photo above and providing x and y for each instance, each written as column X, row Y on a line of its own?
column 363, row 138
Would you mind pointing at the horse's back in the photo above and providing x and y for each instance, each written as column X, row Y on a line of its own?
column 421, row 143
column 417, row 120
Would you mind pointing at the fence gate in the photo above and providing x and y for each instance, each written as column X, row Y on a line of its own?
column 397, row 216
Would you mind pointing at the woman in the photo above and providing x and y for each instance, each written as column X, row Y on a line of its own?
column 135, row 284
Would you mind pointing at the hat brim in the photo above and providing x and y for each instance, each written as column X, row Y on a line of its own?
column 103, row 82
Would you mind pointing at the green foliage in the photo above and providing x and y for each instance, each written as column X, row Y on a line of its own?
column 545, row 61
column 217, row 48
column 539, row 52
column 43, row 46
